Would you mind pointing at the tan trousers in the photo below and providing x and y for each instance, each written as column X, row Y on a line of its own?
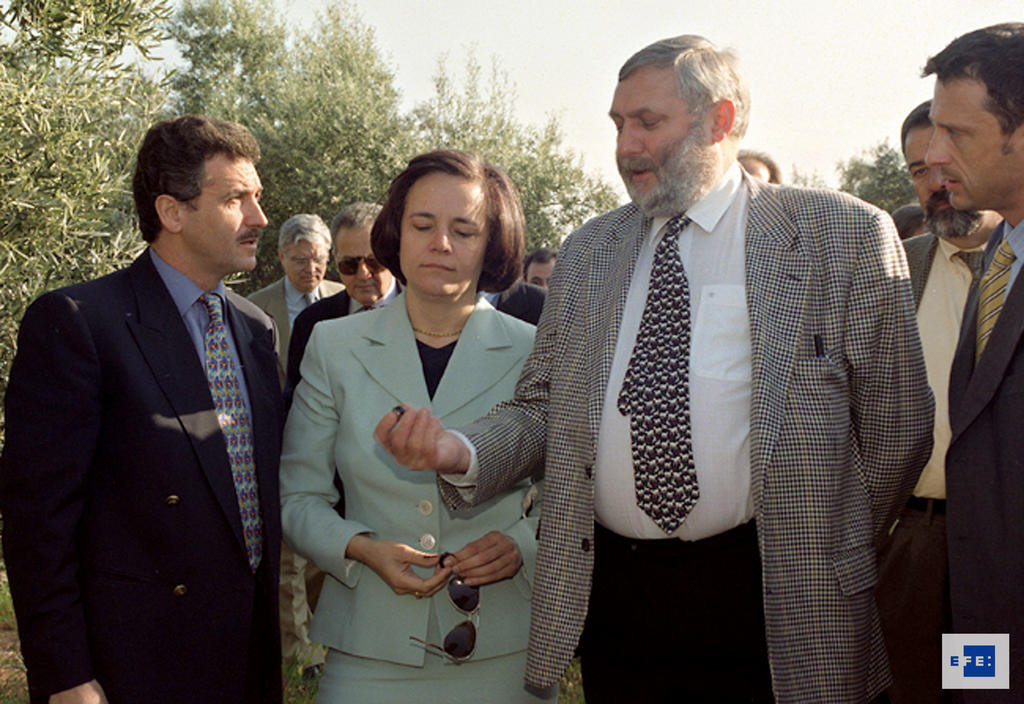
column 301, row 581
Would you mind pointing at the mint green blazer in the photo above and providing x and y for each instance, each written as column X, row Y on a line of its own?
column 354, row 371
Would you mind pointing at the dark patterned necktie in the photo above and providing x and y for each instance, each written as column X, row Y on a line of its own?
column 656, row 391
column 234, row 423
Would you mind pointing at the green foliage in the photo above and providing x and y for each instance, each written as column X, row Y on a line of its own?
column 71, row 117
column 298, row 690
column 233, row 52
column 321, row 103
column 557, row 194
column 807, row 180
column 879, row 176
column 323, row 106
column 67, row 28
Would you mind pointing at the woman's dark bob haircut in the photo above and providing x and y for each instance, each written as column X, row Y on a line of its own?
column 503, row 215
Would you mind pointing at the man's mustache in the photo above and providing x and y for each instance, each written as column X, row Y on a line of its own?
column 936, row 199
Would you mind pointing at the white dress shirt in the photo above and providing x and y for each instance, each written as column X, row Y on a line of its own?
column 938, row 319
column 711, row 248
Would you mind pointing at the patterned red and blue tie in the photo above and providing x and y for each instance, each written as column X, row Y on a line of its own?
column 234, row 423
column 656, row 391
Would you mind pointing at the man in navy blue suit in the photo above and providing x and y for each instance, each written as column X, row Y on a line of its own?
column 142, row 546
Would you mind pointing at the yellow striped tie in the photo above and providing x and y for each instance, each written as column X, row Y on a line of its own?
column 992, row 295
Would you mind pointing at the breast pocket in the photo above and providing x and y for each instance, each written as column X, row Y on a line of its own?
column 720, row 348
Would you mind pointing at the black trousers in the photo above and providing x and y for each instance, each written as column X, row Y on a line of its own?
column 913, row 603
column 263, row 680
column 674, row 621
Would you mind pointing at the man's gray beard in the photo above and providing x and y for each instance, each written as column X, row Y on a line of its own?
column 689, row 172
column 952, row 224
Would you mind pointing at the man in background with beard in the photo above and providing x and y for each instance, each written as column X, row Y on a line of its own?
column 727, row 383
column 913, row 586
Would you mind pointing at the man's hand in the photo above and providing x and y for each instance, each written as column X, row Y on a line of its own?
column 88, row 693
column 489, row 559
column 416, row 439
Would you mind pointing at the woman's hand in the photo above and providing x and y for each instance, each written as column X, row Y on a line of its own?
column 392, row 562
column 489, row 559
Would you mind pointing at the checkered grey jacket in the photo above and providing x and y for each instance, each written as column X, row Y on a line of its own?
column 837, row 441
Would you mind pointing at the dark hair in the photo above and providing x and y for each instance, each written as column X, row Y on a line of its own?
column 909, row 220
column 541, row 255
column 917, row 118
column 503, row 215
column 172, row 159
column 774, row 174
column 995, row 56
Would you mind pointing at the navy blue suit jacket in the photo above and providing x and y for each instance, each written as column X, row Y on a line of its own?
column 122, row 534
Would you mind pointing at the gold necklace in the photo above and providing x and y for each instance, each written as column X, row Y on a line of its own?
column 430, row 333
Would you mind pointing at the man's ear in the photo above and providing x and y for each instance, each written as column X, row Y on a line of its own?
column 723, row 116
column 168, row 209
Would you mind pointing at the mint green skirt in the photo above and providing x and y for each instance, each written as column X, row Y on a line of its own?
column 348, row 679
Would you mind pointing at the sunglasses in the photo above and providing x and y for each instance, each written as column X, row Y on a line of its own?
column 350, row 265
column 460, row 642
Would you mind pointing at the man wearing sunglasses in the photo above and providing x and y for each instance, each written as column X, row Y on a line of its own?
column 368, row 283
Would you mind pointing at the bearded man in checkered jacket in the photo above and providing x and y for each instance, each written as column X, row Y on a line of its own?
column 725, row 423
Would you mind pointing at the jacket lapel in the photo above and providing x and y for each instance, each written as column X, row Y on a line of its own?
column 919, row 260
column 608, row 278
column 277, row 308
column 777, row 278
column 164, row 342
column 483, row 356
column 972, row 387
column 390, row 356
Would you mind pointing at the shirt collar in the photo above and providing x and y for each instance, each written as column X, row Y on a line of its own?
column 949, row 250
column 1016, row 237
column 184, row 291
column 706, row 212
column 389, row 295
column 293, row 295
column 355, row 306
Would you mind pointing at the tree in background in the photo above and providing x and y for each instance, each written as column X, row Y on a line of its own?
column 321, row 103
column 323, row 106
column 558, row 195
column 72, row 114
column 807, row 180
column 879, row 176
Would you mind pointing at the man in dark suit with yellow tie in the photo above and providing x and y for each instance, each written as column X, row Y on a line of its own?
column 139, row 478
column 977, row 153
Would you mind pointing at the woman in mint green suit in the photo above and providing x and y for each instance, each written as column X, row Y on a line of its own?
column 452, row 226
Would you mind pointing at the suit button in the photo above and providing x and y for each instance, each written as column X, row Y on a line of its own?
column 427, row 541
column 585, row 545
column 180, row 590
column 425, row 507
column 589, row 471
column 173, row 500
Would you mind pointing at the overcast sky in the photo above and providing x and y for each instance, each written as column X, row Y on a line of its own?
column 827, row 80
